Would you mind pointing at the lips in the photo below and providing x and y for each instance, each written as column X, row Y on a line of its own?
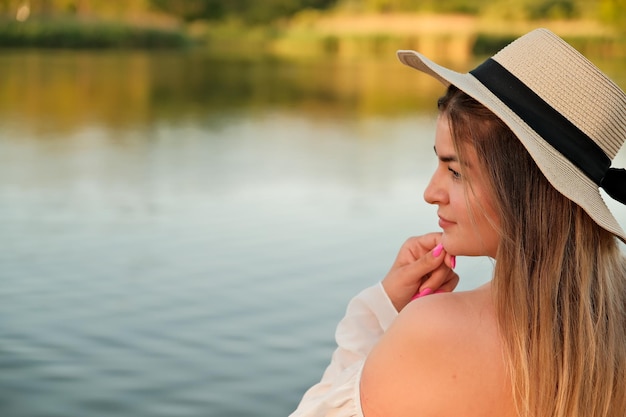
column 443, row 222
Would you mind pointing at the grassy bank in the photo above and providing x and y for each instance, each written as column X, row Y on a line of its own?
column 74, row 33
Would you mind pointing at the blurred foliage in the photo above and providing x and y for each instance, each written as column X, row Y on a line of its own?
column 154, row 23
column 613, row 12
column 101, row 8
column 78, row 34
column 525, row 9
column 251, row 11
column 255, row 11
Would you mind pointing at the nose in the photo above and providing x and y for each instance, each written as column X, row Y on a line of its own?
column 435, row 192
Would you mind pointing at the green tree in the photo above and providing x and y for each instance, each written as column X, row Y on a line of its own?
column 553, row 9
column 190, row 10
column 614, row 12
column 252, row 11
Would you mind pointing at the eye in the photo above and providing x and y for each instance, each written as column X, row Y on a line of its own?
column 455, row 174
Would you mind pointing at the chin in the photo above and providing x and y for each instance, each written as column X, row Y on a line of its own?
column 450, row 246
column 458, row 248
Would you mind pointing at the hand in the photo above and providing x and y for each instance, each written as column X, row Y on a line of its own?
column 416, row 269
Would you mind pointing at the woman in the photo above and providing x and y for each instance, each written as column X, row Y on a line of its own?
column 523, row 144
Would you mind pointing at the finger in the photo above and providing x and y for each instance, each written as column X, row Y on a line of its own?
column 422, row 269
column 437, row 278
column 401, row 291
column 421, row 245
column 450, row 261
column 416, row 247
column 450, row 284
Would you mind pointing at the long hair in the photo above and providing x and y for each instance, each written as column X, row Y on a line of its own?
column 559, row 282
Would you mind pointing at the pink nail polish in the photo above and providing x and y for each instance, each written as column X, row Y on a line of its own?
column 453, row 261
column 425, row 292
column 437, row 250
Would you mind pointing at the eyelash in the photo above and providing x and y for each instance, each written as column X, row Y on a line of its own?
column 456, row 175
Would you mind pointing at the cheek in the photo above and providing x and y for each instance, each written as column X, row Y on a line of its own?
column 458, row 239
column 488, row 217
column 459, row 203
column 476, row 231
column 486, row 227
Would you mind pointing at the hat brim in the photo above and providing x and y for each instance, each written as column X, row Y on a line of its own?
column 562, row 174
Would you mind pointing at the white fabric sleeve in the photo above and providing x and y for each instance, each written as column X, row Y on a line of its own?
column 368, row 316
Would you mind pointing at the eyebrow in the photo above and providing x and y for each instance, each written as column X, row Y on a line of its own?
column 446, row 158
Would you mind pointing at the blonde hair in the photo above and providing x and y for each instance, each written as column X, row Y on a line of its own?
column 559, row 280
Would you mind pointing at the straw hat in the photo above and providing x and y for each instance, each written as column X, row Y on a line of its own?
column 568, row 114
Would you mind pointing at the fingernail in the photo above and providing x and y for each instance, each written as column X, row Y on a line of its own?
column 425, row 292
column 437, row 250
column 453, row 261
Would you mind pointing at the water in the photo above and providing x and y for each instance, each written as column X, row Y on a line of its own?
column 180, row 233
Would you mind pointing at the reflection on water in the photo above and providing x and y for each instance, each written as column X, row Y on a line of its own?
column 69, row 90
column 180, row 234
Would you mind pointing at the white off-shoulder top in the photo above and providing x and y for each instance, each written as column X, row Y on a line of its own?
column 368, row 316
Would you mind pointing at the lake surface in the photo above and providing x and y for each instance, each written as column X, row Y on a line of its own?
column 180, row 233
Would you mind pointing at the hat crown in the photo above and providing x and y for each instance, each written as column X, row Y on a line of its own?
column 565, row 79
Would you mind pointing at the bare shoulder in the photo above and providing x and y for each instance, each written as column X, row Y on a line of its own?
column 441, row 357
